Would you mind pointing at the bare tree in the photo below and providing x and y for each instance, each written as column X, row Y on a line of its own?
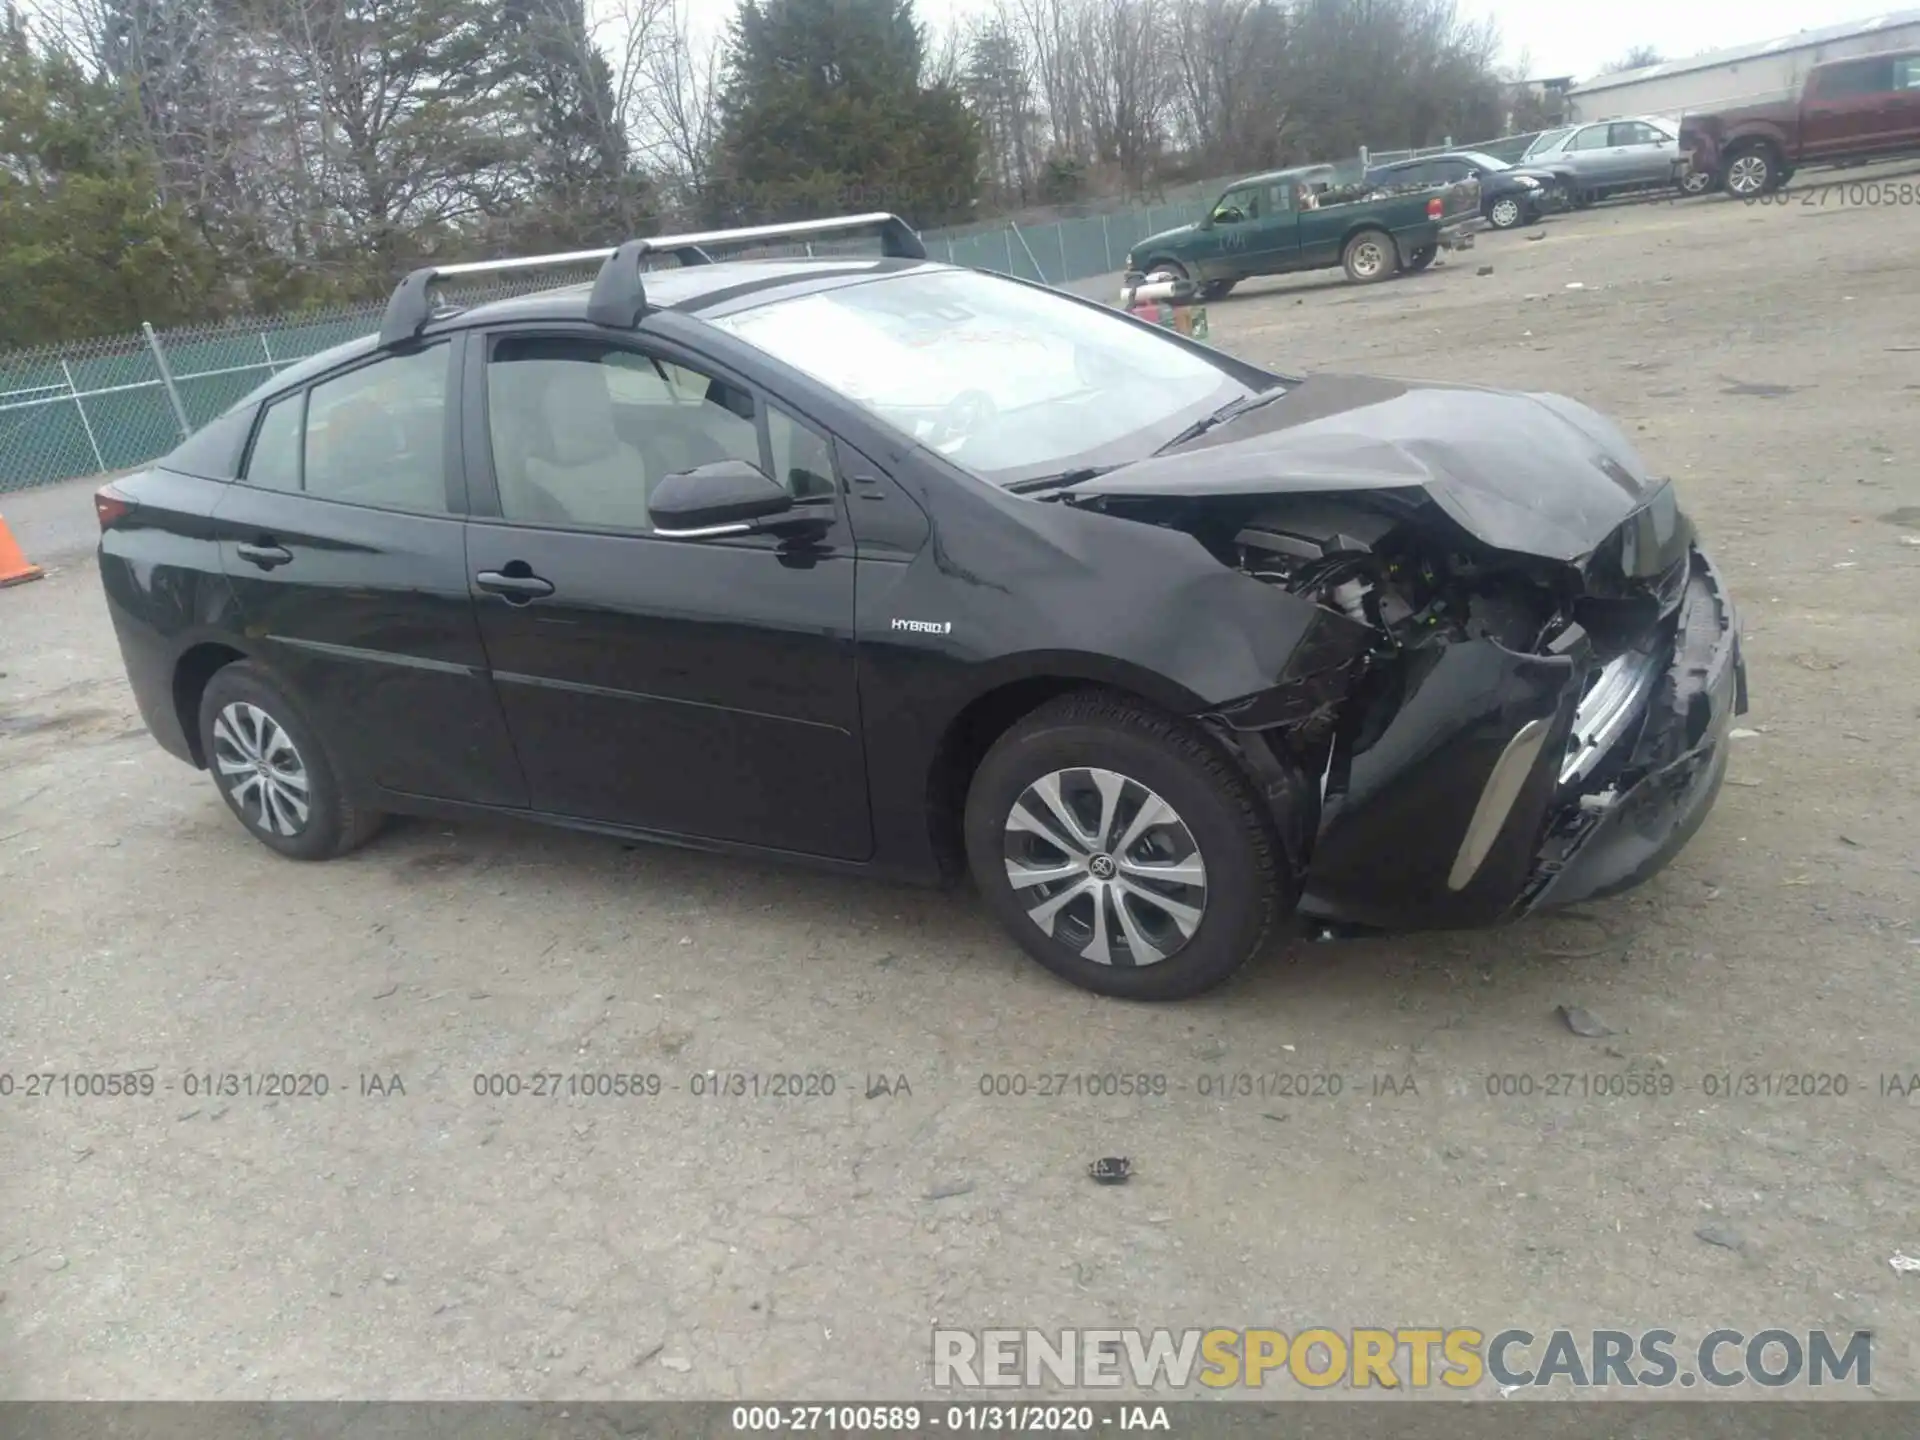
column 1229, row 97
column 1638, row 58
column 1119, row 50
column 676, row 115
column 1050, row 27
column 998, row 84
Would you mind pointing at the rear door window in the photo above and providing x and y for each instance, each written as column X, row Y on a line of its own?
column 1636, row 132
column 377, row 435
column 1859, row 77
column 1594, row 137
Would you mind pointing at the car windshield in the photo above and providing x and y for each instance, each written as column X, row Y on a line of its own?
column 1549, row 141
column 1483, row 162
column 1012, row 382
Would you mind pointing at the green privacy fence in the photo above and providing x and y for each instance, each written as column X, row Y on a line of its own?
column 117, row 403
column 112, row 404
column 1064, row 250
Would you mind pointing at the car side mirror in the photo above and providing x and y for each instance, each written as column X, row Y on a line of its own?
column 726, row 497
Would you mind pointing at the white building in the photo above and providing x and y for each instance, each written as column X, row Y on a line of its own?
column 1741, row 75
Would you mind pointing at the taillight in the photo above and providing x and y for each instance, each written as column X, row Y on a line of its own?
column 1435, row 209
column 110, row 505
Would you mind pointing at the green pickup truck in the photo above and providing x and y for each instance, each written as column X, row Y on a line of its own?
column 1305, row 219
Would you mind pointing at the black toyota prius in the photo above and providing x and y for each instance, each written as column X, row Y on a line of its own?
column 915, row 570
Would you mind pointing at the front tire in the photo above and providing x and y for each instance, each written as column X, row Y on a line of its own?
column 1123, row 849
column 1506, row 212
column 1217, row 289
column 273, row 771
column 1369, row 257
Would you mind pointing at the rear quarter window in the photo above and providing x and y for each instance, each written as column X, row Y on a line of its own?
column 213, row 451
column 273, row 463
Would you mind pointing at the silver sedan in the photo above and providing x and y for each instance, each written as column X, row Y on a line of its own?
column 1610, row 157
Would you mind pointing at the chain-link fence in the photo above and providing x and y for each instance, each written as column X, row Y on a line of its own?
column 117, row 403
column 1508, row 148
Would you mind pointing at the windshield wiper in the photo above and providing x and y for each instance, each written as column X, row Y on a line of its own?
column 1232, row 410
column 1056, row 482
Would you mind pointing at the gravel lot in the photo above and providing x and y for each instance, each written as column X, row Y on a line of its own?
column 434, row 1243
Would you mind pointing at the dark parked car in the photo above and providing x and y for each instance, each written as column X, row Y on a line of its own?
column 1508, row 196
column 908, row 569
column 1863, row 108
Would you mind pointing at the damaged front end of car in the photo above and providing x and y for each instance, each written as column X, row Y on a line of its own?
column 1473, row 731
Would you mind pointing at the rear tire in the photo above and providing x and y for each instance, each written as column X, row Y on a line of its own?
column 273, row 771
column 1752, row 171
column 1697, row 182
column 1369, row 257
column 1192, row 890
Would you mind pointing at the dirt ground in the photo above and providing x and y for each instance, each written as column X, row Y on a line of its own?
column 435, row 1243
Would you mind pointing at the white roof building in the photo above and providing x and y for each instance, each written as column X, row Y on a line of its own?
column 1741, row 74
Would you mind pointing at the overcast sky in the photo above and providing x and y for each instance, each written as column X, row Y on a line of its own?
column 1578, row 37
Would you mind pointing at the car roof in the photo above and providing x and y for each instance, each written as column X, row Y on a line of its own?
column 718, row 288
column 1437, row 155
column 703, row 291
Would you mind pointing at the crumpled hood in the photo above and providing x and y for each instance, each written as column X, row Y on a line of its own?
column 1535, row 474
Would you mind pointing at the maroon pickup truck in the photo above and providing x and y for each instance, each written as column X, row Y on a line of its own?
column 1864, row 108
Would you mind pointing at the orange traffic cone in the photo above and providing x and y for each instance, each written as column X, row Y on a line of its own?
column 14, row 569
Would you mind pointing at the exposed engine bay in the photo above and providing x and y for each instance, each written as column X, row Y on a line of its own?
column 1450, row 660
column 1417, row 588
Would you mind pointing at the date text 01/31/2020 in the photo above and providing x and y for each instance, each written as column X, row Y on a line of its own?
column 959, row 1419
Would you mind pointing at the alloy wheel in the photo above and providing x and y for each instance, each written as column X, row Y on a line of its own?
column 261, row 768
column 1747, row 175
column 1105, row 866
column 1369, row 259
column 1696, row 182
column 1506, row 213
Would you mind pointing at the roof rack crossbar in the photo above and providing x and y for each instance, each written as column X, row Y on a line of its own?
column 619, row 295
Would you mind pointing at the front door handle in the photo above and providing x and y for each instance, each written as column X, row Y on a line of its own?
column 265, row 554
column 515, row 589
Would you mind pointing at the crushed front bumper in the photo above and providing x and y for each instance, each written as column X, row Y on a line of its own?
column 1610, row 841
column 1462, row 813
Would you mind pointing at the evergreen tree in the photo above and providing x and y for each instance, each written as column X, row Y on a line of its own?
column 86, row 245
column 826, row 110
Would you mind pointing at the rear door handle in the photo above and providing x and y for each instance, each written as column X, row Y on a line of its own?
column 265, row 554
column 514, row 589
